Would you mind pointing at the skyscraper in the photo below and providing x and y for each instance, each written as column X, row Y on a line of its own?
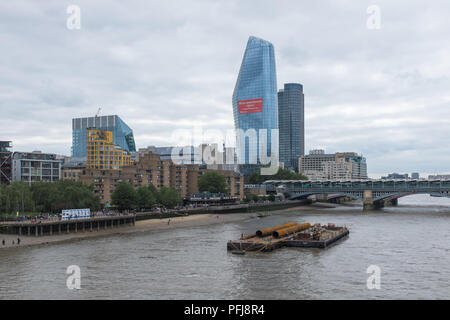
column 255, row 105
column 291, row 123
column 123, row 135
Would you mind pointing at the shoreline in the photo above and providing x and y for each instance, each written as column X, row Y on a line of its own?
column 150, row 225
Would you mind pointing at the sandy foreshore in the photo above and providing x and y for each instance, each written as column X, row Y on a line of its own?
column 148, row 225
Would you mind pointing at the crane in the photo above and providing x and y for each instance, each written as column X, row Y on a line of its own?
column 98, row 112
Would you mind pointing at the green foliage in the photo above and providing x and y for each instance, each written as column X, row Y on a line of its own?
column 169, row 197
column 46, row 197
column 282, row 174
column 271, row 197
column 124, row 196
column 145, row 197
column 255, row 198
column 212, row 181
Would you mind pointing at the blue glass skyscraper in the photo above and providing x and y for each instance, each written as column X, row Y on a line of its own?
column 255, row 104
column 291, row 117
column 123, row 135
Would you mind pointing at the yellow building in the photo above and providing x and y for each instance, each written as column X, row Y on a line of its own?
column 101, row 152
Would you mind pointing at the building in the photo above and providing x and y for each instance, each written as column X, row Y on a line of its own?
column 5, row 162
column 72, row 171
column 415, row 175
column 36, row 166
column 122, row 134
column 102, row 153
column 152, row 169
column 291, row 125
column 439, row 177
column 396, row 176
column 255, row 104
column 337, row 166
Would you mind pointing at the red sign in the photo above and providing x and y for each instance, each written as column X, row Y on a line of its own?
column 250, row 106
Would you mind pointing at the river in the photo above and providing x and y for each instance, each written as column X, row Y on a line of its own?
column 410, row 244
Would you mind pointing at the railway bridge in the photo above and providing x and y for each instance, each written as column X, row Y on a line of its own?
column 374, row 194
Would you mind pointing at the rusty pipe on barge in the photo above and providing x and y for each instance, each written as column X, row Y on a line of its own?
column 280, row 233
column 269, row 231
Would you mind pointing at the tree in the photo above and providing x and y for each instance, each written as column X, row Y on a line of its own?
column 169, row 197
column 213, row 182
column 145, row 198
column 124, row 196
column 271, row 197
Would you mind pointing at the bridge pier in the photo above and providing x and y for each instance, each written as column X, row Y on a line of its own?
column 369, row 204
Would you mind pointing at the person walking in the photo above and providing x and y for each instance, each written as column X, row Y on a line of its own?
column 3, row 242
column 18, row 240
column 168, row 222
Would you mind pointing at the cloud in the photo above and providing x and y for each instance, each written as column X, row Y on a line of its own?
column 169, row 65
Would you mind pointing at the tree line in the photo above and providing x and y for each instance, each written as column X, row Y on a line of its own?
column 125, row 197
column 45, row 197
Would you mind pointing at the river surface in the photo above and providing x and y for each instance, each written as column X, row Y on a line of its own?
column 409, row 243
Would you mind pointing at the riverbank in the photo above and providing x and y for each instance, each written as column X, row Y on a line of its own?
column 150, row 225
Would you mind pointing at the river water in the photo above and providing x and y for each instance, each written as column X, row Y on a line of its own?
column 409, row 243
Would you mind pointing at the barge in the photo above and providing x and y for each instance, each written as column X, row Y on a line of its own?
column 289, row 235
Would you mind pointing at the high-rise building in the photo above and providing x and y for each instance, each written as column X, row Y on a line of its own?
column 255, row 103
column 36, row 166
column 122, row 134
column 102, row 153
column 5, row 162
column 291, row 124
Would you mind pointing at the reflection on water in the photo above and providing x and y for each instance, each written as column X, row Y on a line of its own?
column 410, row 244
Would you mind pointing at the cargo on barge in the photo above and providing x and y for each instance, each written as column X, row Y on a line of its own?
column 289, row 235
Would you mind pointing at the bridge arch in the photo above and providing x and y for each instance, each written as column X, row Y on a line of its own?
column 294, row 196
column 397, row 195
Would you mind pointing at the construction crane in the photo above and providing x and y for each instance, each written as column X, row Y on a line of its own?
column 98, row 112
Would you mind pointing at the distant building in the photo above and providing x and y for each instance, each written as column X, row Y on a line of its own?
column 291, row 124
column 439, row 177
column 102, row 153
column 36, row 166
column 5, row 162
column 396, row 176
column 122, row 134
column 255, row 103
column 341, row 165
column 415, row 176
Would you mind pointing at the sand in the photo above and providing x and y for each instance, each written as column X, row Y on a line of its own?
column 147, row 225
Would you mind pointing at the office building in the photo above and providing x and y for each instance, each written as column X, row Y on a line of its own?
column 255, row 104
column 102, row 153
column 5, row 162
column 337, row 166
column 291, row 124
column 122, row 134
column 36, row 166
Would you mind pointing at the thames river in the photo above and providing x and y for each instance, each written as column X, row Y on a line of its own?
column 410, row 244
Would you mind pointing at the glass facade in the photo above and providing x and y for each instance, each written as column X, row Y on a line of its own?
column 255, row 104
column 291, row 117
column 123, row 135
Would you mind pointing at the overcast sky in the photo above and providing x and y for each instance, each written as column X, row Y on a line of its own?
column 165, row 65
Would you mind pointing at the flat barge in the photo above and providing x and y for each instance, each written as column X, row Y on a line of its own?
column 289, row 235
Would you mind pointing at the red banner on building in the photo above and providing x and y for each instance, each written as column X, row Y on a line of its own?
column 250, row 106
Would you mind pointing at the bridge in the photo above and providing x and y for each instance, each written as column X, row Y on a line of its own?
column 373, row 193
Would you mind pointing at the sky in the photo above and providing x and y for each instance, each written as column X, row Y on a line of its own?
column 172, row 65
